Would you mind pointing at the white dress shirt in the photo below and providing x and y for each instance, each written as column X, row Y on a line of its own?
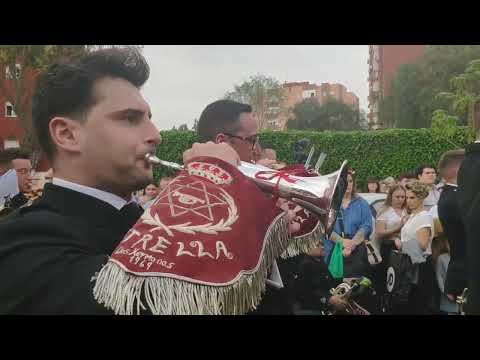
column 112, row 199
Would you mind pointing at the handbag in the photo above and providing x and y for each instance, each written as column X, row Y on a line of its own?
column 400, row 273
column 336, row 261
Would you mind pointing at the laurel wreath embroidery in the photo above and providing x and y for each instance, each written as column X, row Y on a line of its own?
column 187, row 228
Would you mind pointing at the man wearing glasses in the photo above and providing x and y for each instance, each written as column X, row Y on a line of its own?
column 18, row 160
column 231, row 122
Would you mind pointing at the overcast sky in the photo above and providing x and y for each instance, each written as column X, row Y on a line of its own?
column 186, row 78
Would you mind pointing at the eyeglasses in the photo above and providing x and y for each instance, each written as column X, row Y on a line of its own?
column 252, row 139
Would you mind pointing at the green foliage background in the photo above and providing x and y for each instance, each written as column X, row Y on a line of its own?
column 379, row 153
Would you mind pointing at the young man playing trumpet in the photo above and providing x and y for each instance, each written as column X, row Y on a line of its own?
column 95, row 127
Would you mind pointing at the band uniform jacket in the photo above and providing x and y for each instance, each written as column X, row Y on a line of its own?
column 50, row 251
column 469, row 201
column 452, row 222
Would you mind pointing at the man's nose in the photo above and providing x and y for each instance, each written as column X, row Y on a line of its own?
column 154, row 136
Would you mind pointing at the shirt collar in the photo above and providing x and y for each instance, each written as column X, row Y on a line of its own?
column 112, row 199
column 450, row 184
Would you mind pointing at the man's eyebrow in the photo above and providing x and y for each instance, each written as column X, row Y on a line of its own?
column 131, row 111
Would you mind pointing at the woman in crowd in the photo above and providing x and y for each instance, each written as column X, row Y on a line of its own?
column 415, row 242
column 388, row 225
column 353, row 227
column 386, row 184
column 151, row 192
column 373, row 186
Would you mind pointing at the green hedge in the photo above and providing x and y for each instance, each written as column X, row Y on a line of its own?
column 371, row 153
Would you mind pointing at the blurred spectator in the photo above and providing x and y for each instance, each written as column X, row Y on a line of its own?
column 19, row 160
column 388, row 225
column 427, row 175
column 386, row 184
column 151, row 191
column 406, row 177
column 416, row 240
column 269, row 154
column 353, row 226
column 373, row 186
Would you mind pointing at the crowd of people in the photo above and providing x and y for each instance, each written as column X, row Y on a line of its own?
column 416, row 226
column 78, row 212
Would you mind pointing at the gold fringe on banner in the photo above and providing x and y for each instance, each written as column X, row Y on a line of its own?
column 304, row 243
column 122, row 291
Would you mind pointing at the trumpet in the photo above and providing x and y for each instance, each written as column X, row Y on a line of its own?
column 320, row 195
column 348, row 292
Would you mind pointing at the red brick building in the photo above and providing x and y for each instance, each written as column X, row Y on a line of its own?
column 296, row 92
column 11, row 129
column 383, row 63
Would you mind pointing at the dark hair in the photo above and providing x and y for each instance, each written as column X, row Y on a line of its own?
column 221, row 116
column 419, row 170
column 154, row 183
column 353, row 174
column 67, row 89
column 373, row 180
column 7, row 155
column 407, row 175
column 450, row 158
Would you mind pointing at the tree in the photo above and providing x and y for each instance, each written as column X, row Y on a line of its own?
column 465, row 92
column 405, row 90
column 306, row 114
column 333, row 115
column 264, row 94
column 183, row 127
column 415, row 85
column 463, row 101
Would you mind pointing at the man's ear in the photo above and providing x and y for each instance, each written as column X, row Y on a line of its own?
column 220, row 138
column 65, row 133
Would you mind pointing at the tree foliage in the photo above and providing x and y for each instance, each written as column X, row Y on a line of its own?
column 333, row 115
column 415, row 86
column 264, row 94
column 379, row 153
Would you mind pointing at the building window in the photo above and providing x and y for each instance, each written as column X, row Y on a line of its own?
column 8, row 73
column 9, row 110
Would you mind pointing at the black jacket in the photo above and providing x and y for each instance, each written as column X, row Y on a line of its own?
column 18, row 201
column 308, row 282
column 452, row 222
column 50, row 251
column 469, row 201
